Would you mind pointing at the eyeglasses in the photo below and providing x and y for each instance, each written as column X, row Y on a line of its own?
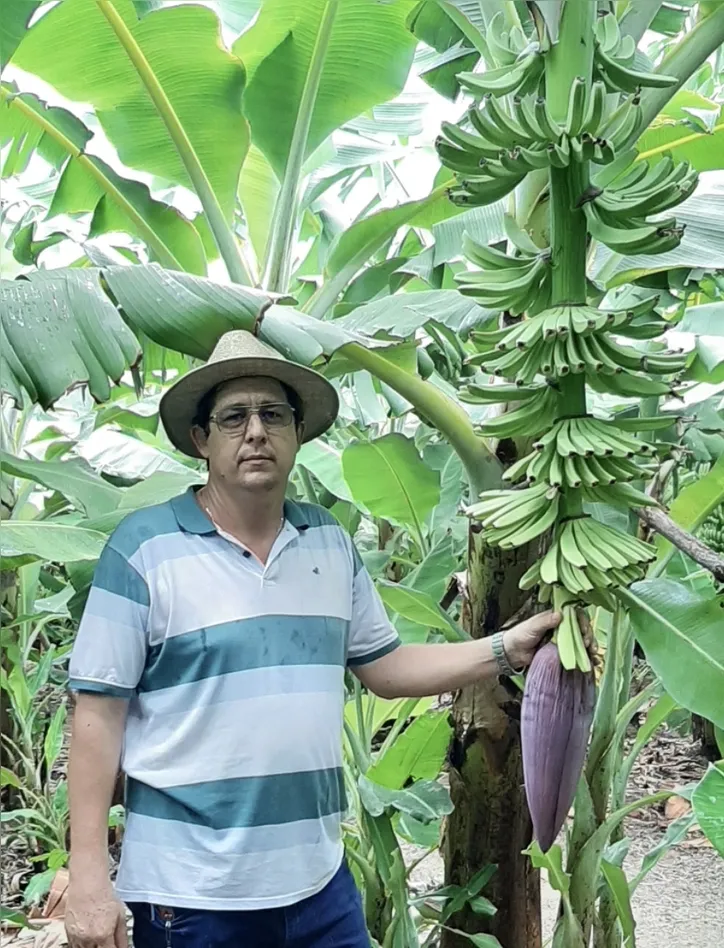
column 235, row 418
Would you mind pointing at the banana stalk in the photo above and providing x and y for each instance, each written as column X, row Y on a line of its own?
column 548, row 108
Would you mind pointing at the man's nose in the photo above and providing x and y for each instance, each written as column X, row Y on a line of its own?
column 255, row 430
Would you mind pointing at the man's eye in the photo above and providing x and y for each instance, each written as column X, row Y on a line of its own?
column 271, row 414
column 233, row 417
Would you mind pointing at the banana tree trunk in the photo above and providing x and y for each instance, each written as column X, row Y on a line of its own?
column 490, row 822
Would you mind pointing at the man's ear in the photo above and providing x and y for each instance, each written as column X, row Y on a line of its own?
column 300, row 433
column 201, row 439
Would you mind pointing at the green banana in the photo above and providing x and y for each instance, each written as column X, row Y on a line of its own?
column 505, row 80
column 621, row 78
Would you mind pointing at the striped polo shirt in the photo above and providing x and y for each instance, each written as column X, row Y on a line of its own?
column 234, row 674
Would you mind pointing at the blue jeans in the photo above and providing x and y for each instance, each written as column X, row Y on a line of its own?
column 332, row 918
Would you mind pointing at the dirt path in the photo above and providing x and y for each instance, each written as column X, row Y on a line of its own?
column 679, row 903
column 676, row 906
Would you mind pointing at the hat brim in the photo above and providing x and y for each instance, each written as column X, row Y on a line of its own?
column 179, row 403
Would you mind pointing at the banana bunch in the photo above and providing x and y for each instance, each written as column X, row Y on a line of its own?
column 567, row 340
column 517, row 284
column 711, row 531
column 617, row 215
column 614, row 57
column 542, row 364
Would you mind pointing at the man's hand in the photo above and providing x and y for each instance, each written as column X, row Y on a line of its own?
column 521, row 641
column 94, row 918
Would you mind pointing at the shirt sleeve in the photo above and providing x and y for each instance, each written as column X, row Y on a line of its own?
column 371, row 632
column 109, row 653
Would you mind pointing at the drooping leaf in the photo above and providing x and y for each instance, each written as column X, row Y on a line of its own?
column 419, row 752
column 401, row 315
column 60, row 329
column 390, row 479
column 45, row 540
column 708, row 803
column 90, row 493
column 75, row 50
column 180, row 311
column 420, row 608
column 426, row 800
column 88, row 183
column 367, row 61
column 680, row 632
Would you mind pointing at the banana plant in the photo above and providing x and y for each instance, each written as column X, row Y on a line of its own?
column 572, row 108
column 296, row 65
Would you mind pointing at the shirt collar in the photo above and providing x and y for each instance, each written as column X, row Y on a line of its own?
column 193, row 519
column 189, row 514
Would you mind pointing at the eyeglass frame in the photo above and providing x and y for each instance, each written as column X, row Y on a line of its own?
column 255, row 411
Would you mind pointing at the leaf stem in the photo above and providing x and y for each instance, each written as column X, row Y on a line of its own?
column 682, row 61
column 669, row 146
column 481, row 465
column 278, row 262
column 223, row 235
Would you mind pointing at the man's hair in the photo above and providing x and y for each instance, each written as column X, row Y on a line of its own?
column 206, row 403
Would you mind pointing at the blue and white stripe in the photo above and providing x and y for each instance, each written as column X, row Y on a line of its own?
column 234, row 673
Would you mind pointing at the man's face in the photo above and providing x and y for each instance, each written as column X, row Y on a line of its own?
column 255, row 457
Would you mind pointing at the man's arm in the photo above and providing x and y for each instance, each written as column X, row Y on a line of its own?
column 94, row 917
column 416, row 671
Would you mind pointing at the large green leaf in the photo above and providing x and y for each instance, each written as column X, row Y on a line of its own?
column 367, row 61
column 324, row 460
column 258, row 191
column 704, row 320
column 78, row 483
column 425, row 800
column 419, row 607
column 419, row 752
column 401, row 315
column 180, row 311
column 74, row 49
column 672, row 133
column 390, row 479
column 45, row 540
column 13, row 24
column 356, row 245
column 67, row 313
column 89, row 184
column 708, row 803
column 681, row 634
column 60, row 329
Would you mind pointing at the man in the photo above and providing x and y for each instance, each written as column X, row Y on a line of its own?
column 210, row 665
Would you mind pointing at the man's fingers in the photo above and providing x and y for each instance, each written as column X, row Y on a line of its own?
column 539, row 624
column 121, row 935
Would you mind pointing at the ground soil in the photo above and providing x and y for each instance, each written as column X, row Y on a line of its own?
column 678, row 905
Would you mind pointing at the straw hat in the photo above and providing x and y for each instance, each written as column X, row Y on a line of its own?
column 238, row 354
